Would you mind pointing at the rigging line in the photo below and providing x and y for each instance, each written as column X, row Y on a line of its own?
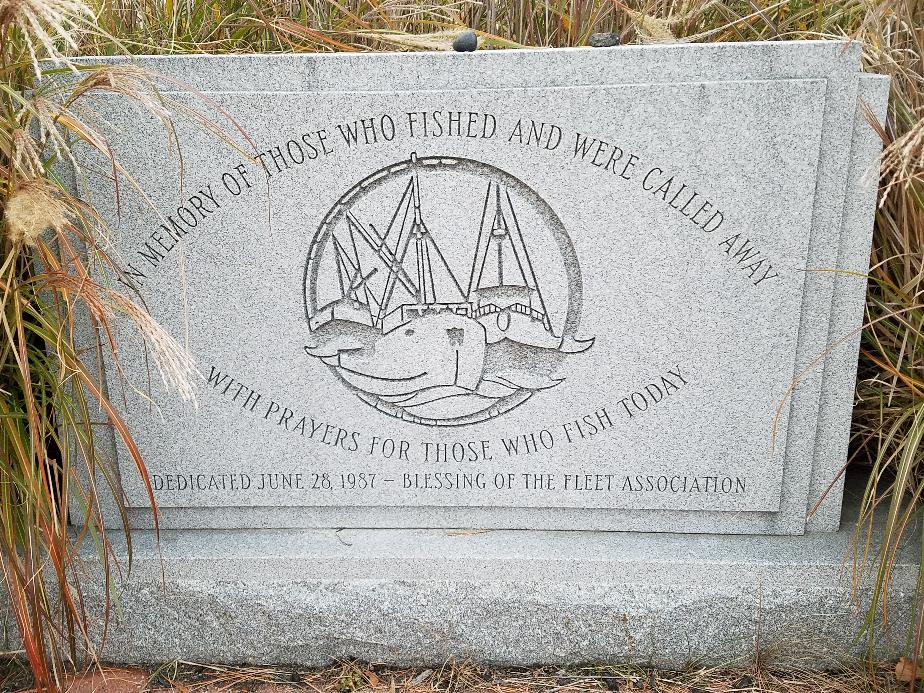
column 513, row 245
column 416, row 182
column 337, row 264
column 342, row 262
column 424, row 272
column 481, row 247
column 350, row 218
column 382, row 250
column 397, row 209
column 429, row 286
column 370, row 299
column 500, row 223
column 343, row 256
column 356, row 267
column 421, row 278
column 439, row 254
column 516, row 253
column 404, row 240
column 529, row 262
column 487, row 229
column 500, row 262
column 362, row 280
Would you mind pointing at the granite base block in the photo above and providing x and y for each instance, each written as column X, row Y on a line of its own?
column 419, row 597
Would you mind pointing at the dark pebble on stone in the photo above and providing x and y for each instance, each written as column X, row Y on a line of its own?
column 465, row 42
column 604, row 40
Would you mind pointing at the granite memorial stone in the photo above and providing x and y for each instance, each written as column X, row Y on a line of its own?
column 582, row 289
column 512, row 302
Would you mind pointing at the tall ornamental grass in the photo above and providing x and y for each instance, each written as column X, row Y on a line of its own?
column 53, row 404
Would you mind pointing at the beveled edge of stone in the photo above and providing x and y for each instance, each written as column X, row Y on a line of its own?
column 831, row 185
column 559, row 66
column 840, row 365
column 482, row 518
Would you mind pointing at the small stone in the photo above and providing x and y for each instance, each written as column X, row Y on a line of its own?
column 604, row 39
column 465, row 42
column 742, row 684
column 421, row 677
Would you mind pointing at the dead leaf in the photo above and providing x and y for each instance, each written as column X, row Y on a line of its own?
column 906, row 671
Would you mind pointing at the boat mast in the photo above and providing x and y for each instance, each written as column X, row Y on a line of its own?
column 396, row 261
column 497, row 235
column 426, row 291
column 500, row 227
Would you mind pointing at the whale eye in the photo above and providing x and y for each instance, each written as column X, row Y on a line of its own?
column 408, row 333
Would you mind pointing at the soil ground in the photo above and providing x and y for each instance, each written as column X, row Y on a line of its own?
column 456, row 677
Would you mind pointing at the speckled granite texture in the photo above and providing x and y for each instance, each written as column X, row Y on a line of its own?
column 773, row 130
column 504, row 597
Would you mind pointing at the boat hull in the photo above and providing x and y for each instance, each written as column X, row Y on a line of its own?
column 441, row 349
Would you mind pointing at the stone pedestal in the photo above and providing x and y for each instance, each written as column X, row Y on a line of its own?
column 419, row 597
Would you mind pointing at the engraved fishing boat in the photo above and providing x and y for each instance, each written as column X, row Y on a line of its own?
column 405, row 329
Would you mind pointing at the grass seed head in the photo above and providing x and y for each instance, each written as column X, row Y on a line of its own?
column 31, row 210
column 26, row 158
column 130, row 81
column 47, row 26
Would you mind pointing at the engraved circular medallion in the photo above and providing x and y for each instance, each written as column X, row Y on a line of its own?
column 443, row 291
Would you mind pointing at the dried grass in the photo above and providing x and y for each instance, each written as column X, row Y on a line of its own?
column 889, row 418
column 463, row 677
column 52, row 399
